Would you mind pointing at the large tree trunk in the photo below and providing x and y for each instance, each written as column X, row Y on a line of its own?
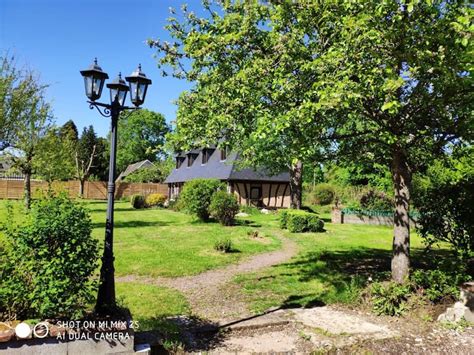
column 296, row 182
column 401, row 175
column 27, row 189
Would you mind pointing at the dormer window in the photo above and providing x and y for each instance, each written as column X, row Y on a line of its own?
column 206, row 154
column 191, row 158
column 179, row 162
column 224, row 153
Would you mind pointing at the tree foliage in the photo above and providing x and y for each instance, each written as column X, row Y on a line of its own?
column 89, row 157
column 445, row 200
column 51, row 257
column 53, row 159
column 25, row 118
column 140, row 136
column 196, row 196
column 384, row 81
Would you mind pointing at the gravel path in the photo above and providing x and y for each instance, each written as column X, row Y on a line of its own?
column 210, row 294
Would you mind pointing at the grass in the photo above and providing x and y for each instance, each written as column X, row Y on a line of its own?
column 150, row 304
column 159, row 242
column 332, row 267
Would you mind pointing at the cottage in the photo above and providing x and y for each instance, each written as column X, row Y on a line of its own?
column 251, row 187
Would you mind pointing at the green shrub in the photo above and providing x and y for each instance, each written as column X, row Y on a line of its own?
column 298, row 221
column 155, row 200
column 249, row 210
column 224, row 207
column 438, row 284
column 446, row 215
column 323, row 194
column 283, row 218
column 137, row 201
column 51, row 257
column 196, row 196
column 224, row 245
column 376, row 200
column 174, row 205
column 314, row 223
column 390, row 298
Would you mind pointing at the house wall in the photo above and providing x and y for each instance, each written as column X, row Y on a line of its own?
column 273, row 195
column 174, row 190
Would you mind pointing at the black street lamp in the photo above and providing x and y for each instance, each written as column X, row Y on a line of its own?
column 94, row 79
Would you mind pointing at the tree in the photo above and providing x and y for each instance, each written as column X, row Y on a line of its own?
column 69, row 131
column 30, row 119
column 11, row 93
column 100, row 168
column 247, row 93
column 402, row 103
column 140, row 136
column 85, row 155
column 53, row 159
column 386, row 81
column 24, row 117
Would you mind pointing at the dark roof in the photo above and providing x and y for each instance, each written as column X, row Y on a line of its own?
column 222, row 170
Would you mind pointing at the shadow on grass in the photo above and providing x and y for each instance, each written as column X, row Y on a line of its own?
column 247, row 223
column 340, row 274
column 132, row 224
column 116, row 209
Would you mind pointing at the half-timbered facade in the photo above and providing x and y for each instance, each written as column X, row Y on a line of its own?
column 251, row 187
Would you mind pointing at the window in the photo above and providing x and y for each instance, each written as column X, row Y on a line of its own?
column 255, row 192
column 179, row 162
column 206, row 154
column 224, row 153
column 191, row 159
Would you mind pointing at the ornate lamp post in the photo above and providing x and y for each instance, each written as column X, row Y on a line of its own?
column 94, row 79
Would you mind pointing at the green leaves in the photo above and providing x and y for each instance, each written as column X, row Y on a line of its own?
column 141, row 136
column 52, row 256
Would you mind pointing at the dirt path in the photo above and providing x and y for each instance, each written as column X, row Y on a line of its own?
column 211, row 294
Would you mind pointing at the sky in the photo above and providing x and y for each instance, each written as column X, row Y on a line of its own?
column 58, row 38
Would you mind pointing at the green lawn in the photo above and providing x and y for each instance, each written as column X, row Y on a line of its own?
column 159, row 242
column 331, row 266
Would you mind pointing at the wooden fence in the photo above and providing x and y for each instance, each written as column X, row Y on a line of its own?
column 93, row 190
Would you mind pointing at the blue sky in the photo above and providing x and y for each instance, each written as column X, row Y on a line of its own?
column 57, row 38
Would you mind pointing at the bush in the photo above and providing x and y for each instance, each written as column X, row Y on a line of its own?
column 376, row 200
column 251, row 210
column 283, row 218
column 297, row 221
column 224, row 245
column 438, row 284
column 446, row 215
column 51, row 257
column 196, row 196
column 155, row 200
column 224, row 207
column 174, row 205
column 323, row 194
column 390, row 298
column 137, row 201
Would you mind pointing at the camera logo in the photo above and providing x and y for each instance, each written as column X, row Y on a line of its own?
column 24, row 331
